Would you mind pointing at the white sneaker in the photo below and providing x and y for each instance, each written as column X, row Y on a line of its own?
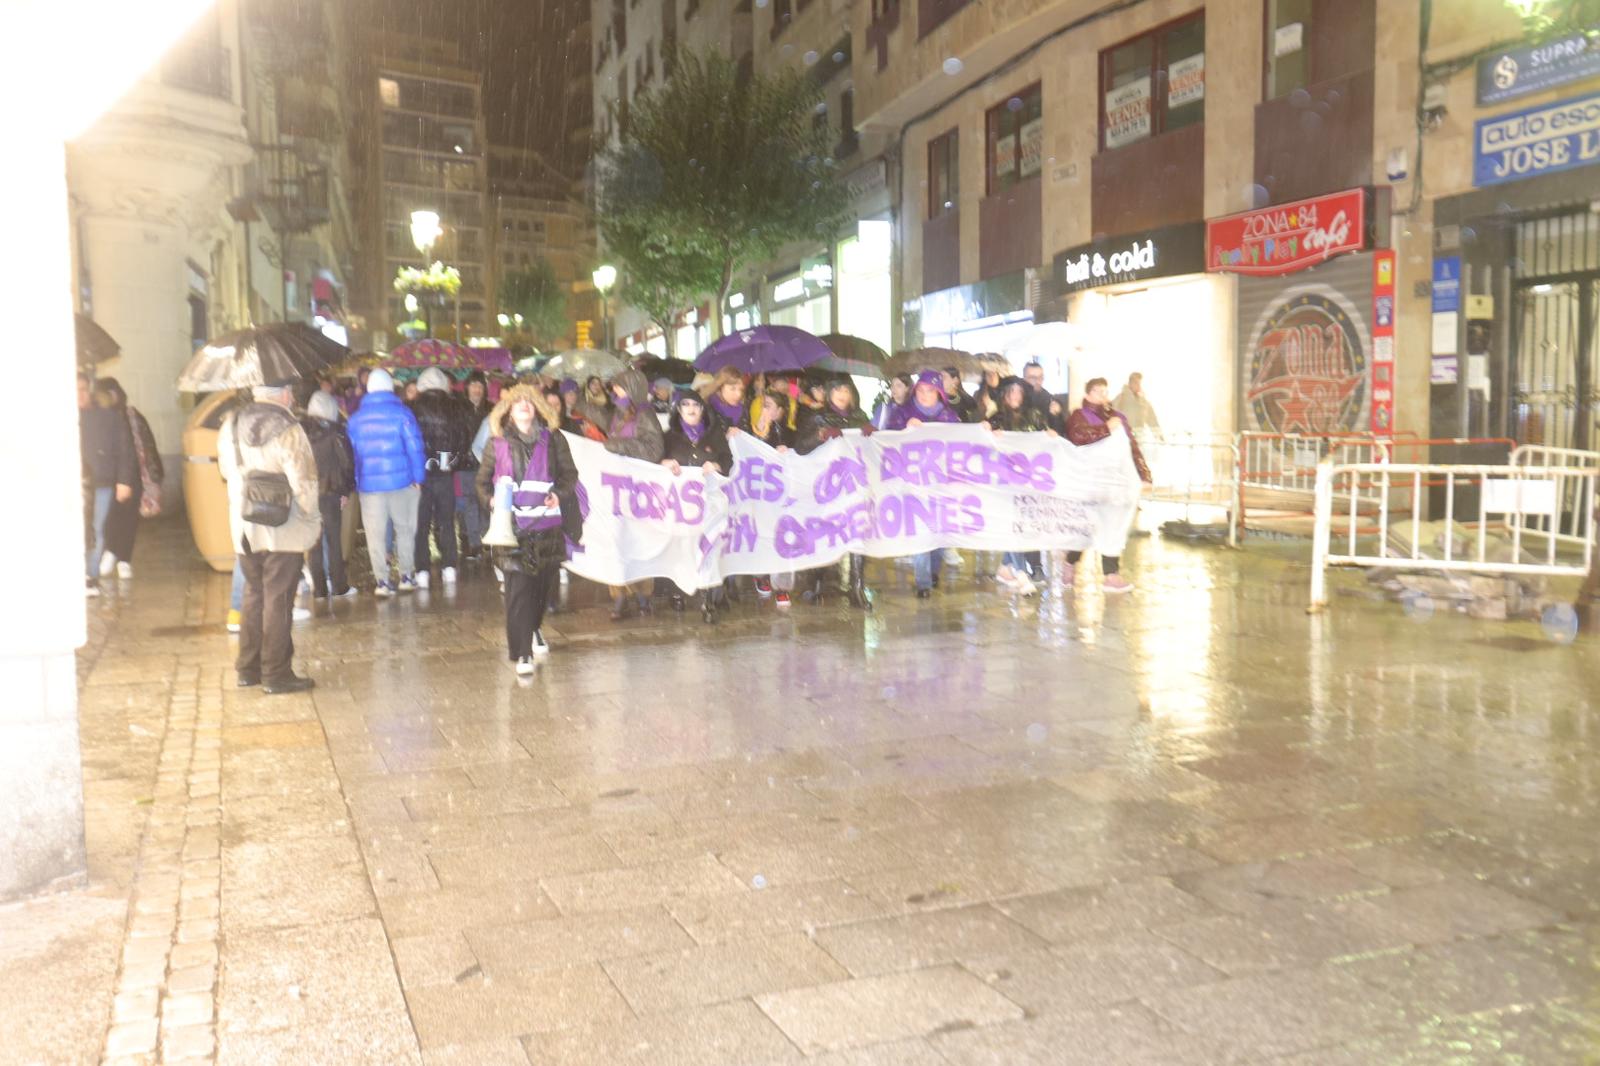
column 539, row 646
column 409, row 584
column 300, row 614
column 108, row 564
column 1006, row 577
column 448, row 575
column 952, row 557
column 524, row 666
column 424, row 579
column 125, row 571
column 1024, row 586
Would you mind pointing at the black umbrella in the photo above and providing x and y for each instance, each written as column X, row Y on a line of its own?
column 277, row 354
column 677, row 371
column 95, row 345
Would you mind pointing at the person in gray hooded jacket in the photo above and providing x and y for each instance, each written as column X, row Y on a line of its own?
column 265, row 436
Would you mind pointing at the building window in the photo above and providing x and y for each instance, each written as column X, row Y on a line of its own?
column 1015, row 139
column 848, row 141
column 933, row 13
column 1287, row 57
column 1153, row 83
column 389, row 92
column 944, row 161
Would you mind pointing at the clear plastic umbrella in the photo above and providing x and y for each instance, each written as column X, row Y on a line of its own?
column 580, row 364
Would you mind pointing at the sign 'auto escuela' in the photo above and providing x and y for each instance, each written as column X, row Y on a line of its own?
column 1538, row 140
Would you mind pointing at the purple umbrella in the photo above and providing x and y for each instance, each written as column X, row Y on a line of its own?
column 764, row 349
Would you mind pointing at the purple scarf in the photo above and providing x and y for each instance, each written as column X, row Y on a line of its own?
column 694, row 432
column 929, row 413
column 731, row 411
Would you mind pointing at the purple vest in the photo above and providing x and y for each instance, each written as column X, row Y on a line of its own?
column 527, row 498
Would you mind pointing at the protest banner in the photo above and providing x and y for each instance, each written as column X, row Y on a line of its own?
column 889, row 494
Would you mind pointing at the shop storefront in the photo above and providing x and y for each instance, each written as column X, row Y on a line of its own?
column 1314, row 314
column 1142, row 303
column 803, row 298
column 988, row 316
column 1516, row 290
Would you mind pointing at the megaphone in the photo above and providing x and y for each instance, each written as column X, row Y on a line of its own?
column 502, row 531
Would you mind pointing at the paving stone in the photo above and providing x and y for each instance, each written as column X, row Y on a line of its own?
column 727, row 1033
column 640, row 886
column 874, row 1010
column 306, row 976
column 465, row 907
column 1095, row 972
column 1107, row 910
column 719, row 972
column 188, row 1043
column 774, row 909
column 920, row 940
column 1127, row 1034
column 482, row 1053
column 564, row 941
column 513, row 1006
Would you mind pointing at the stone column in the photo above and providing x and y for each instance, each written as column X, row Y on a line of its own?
column 41, row 613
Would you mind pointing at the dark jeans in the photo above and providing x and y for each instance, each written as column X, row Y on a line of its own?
column 326, row 560
column 436, row 510
column 527, row 596
column 122, row 527
column 1108, row 563
column 266, row 650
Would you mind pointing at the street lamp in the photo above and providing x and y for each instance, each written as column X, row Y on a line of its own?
column 425, row 232
column 604, row 277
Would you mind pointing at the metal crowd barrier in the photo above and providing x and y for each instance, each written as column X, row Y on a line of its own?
column 1517, row 494
column 1565, row 524
column 1278, row 474
column 1199, row 473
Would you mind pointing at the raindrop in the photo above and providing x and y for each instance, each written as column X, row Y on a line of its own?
column 1310, row 122
column 954, row 66
column 1037, row 732
column 786, row 51
column 761, row 3
column 809, row 58
column 1468, row 234
column 1560, row 623
column 839, row 57
column 1014, row 104
column 821, row 108
column 1299, row 98
column 1257, row 195
column 758, row 881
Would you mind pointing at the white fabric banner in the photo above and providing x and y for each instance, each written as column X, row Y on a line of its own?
column 890, row 494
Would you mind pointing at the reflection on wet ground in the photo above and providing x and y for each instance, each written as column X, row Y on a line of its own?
column 1191, row 825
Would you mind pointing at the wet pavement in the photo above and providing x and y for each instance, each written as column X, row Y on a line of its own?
column 1193, row 825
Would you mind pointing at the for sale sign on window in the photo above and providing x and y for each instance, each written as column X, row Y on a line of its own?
column 1005, row 156
column 1186, row 81
column 1032, row 148
column 1128, row 113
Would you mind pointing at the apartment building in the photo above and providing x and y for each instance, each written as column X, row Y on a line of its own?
column 215, row 195
column 424, row 149
column 536, row 212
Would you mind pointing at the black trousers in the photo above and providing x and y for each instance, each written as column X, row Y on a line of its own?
column 122, row 526
column 527, row 596
column 436, row 511
column 266, row 650
column 1108, row 563
column 328, row 576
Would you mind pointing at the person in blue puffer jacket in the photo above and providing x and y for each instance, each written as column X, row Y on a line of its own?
column 390, row 467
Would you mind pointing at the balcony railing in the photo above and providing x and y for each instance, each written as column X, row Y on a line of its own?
column 293, row 196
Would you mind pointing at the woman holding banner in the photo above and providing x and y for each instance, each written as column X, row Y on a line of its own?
column 927, row 404
column 841, row 411
column 690, row 443
column 1014, row 415
column 631, row 429
column 1097, row 420
column 526, row 449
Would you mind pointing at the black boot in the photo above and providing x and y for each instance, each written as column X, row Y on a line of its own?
column 677, row 602
column 707, row 610
column 858, row 582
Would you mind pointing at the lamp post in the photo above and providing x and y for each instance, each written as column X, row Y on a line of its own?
column 425, row 232
column 604, row 277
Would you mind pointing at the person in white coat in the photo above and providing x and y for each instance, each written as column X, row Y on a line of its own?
column 264, row 436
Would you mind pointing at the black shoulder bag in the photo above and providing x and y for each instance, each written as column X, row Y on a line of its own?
column 267, row 496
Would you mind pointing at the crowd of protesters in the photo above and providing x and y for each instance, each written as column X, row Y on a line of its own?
column 425, row 464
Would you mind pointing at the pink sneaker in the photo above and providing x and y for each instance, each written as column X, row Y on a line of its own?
column 1116, row 584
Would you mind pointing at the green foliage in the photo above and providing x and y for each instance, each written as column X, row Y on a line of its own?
column 438, row 279
column 538, row 297
column 1541, row 18
column 712, row 174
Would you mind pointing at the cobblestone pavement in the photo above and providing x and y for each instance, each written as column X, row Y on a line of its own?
column 1188, row 826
